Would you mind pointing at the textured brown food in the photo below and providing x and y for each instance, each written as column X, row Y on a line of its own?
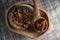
column 22, row 18
column 41, row 25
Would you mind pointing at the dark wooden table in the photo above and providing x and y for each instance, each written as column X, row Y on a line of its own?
column 51, row 6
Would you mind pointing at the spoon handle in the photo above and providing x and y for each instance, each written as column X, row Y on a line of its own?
column 36, row 9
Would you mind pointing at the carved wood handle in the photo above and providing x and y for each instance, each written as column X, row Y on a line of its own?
column 36, row 9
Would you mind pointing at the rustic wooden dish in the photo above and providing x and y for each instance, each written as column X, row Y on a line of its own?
column 31, row 34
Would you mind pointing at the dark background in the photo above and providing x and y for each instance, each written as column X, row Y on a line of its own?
column 51, row 6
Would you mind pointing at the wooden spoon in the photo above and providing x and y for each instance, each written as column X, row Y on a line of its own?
column 43, row 28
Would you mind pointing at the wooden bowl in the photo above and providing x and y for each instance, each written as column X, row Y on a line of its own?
column 31, row 34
